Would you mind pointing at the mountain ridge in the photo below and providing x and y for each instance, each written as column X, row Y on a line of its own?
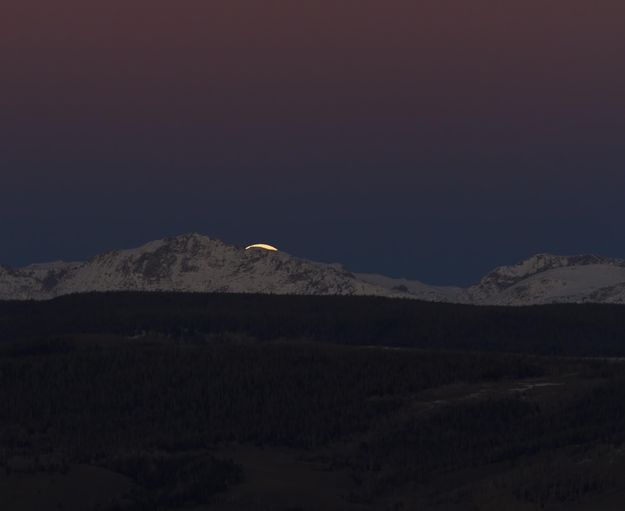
column 193, row 262
column 188, row 262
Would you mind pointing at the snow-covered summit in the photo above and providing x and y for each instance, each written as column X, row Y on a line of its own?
column 197, row 263
column 540, row 279
column 505, row 276
column 189, row 262
column 546, row 278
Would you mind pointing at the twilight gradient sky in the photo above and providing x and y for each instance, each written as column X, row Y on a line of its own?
column 432, row 139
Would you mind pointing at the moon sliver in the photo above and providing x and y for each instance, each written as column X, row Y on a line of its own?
column 262, row 246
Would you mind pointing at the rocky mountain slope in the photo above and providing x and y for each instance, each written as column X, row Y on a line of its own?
column 189, row 262
column 546, row 278
column 196, row 263
column 541, row 279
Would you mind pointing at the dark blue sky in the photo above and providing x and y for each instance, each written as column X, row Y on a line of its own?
column 432, row 141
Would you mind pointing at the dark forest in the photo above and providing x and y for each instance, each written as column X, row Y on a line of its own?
column 173, row 401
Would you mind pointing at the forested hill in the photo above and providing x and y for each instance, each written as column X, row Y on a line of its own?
column 565, row 329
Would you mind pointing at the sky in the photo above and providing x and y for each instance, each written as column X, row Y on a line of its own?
column 432, row 140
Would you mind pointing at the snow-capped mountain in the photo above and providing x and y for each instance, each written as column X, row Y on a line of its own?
column 546, row 278
column 196, row 263
column 541, row 279
column 189, row 262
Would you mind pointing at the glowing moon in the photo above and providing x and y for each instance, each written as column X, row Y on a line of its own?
column 262, row 246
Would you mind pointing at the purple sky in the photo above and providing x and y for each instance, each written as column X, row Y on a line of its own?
column 432, row 139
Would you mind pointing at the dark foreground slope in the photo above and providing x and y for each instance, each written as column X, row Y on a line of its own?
column 569, row 329
column 95, row 414
column 110, row 423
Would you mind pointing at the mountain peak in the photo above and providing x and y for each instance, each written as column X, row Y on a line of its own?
column 193, row 262
column 189, row 262
column 188, row 236
column 543, row 262
column 189, row 239
column 505, row 277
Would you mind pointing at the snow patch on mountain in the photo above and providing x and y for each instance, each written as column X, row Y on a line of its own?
column 417, row 289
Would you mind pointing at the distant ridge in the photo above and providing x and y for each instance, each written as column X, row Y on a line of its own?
column 197, row 263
